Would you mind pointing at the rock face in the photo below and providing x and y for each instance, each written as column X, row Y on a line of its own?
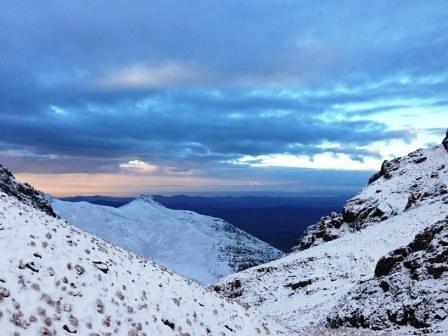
column 445, row 141
column 326, row 229
column 401, row 184
column 410, row 287
column 24, row 192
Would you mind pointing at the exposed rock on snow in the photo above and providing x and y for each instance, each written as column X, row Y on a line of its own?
column 342, row 250
column 401, row 183
column 410, row 287
column 200, row 247
column 58, row 280
column 445, row 141
column 24, row 192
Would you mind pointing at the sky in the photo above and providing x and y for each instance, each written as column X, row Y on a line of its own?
column 130, row 97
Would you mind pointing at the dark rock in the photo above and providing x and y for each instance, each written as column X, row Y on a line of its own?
column 169, row 324
column 67, row 329
column 232, row 289
column 384, row 286
column 4, row 293
column 434, row 175
column 24, row 192
column 420, row 159
column 321, row 231
column 30, row 265
column 79, row 269
column 386, row 264
column 299, row 284
column 228, row 328
column 385, row 166
column 436, row 270
column 445, row 141
column 103, row 267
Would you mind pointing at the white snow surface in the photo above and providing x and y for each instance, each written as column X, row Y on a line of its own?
column 57, row 280
column 300, row 289
column 199, row 247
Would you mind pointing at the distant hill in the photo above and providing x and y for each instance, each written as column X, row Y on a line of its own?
column 115, row 202
column 199, row 247
column 276, row 220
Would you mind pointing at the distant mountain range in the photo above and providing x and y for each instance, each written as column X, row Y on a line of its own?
column 200, row 247
column 277, row 220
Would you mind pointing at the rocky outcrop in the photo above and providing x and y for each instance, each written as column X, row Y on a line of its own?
column 24, row 192
column 401, row 184
column 445, row 141
column 326, row 229
column 410, row 287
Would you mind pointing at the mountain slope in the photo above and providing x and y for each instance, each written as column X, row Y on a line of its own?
column 200, row 247
column 410, row 287
column 301, row 289
column 401, row 184
column 58, row 280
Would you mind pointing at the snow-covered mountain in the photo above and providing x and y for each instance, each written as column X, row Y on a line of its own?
column 410, row 287
column 330, row 279
column 200, row 247
column 58, row 280
column 403, row 183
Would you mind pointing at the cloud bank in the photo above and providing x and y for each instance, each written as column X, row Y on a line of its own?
column 171, row 88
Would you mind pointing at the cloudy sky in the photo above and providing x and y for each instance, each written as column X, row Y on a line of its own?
column 125, row 97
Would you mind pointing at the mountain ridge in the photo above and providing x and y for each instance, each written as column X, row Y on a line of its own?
column 197, row 246
column 341, row 252
column 385, row 197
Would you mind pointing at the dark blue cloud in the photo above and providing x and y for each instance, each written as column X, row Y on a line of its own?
column 236, row 79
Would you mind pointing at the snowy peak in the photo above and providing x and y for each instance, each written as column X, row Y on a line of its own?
column 24, row 192
column 406, row 182
column 200, row 247
column 146, row 200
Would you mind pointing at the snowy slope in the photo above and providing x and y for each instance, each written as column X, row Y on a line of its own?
column 402, row 183
column 410, row 288
column 301, row 289
column 200, row 247
column 58, row 280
